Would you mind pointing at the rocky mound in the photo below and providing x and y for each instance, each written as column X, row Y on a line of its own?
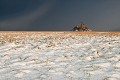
column 81, row 27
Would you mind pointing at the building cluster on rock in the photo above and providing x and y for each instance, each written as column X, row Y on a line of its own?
column 81, row 27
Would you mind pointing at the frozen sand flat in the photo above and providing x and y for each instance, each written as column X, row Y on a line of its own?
column 59, row 55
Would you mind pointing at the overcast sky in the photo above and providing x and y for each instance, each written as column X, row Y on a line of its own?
column 98, row 15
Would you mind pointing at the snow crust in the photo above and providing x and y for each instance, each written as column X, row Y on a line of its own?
column 59, row 56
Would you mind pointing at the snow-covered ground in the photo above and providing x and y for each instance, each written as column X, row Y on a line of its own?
column 59, row 56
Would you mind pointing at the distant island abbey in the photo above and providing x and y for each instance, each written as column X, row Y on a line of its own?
column 81, row 27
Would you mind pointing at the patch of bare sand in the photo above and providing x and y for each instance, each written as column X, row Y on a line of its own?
column 11, row 35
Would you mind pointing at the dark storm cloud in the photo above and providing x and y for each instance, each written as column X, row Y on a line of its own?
column 24, row 13
column 100, row 15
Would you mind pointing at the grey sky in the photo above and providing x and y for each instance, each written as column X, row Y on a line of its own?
column 99, row 15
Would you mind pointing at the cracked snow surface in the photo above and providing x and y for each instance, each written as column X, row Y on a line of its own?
column 59, row 56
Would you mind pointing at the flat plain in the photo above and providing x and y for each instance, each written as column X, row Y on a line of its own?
column 59, row 55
